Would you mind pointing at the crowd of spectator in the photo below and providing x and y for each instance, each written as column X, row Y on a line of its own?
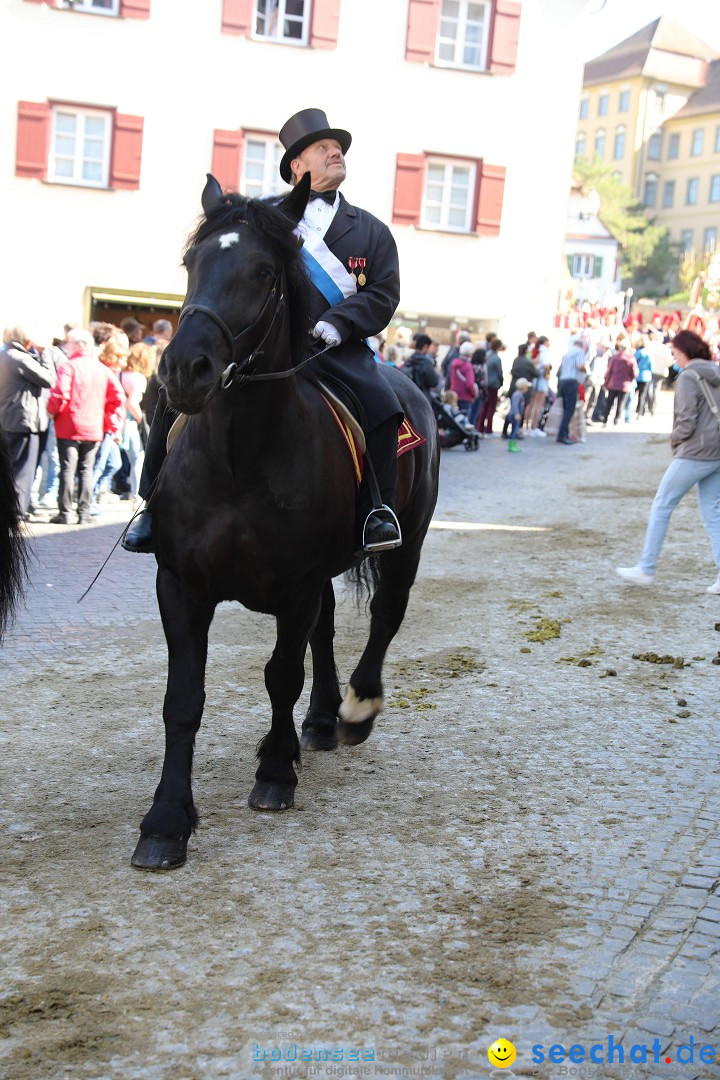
column 75, row 414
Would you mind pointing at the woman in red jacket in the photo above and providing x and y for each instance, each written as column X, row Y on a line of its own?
column 462, row 377
column 85, row 399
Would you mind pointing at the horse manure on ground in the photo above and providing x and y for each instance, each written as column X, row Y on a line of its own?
column 546, row 630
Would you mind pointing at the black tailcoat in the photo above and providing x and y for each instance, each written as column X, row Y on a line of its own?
column 356, row 234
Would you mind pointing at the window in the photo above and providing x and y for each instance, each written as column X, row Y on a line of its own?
column 448, row 193
column 583, row 266
column 686, row 241
column 97, row 7
column 80, row 147
column 710, row 240
column 447, row 202
column 660, row 100
column 691, row 194
column 600, row 143
column 668, row 194
column 78, row 144
column 674, row 146
column 580, row 144
column 584, row 108
column 624, row 102
column 650, row 192
column 462, row 40
column 717, row 140
column 603, row 102
column 655, row 146
column 715, row 188
column 261, row 172
column 282, row 20
column 619, row 148
column 696, row 145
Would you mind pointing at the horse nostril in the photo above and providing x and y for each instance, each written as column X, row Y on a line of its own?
column 201, row 368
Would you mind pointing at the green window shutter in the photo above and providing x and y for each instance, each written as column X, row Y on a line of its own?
column 570, row 263
column 597, row 267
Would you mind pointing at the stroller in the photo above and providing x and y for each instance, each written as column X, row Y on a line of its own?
column 453, row 427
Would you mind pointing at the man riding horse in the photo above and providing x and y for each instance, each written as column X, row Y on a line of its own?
column 352, row 262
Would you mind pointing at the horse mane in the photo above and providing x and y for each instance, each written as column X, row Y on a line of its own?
column 267, row 218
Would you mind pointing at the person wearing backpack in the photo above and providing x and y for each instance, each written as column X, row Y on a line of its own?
column 420, row 367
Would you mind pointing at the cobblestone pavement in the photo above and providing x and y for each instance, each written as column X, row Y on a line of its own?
column 528, row 848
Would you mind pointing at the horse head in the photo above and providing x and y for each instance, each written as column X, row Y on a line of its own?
column 237, row 262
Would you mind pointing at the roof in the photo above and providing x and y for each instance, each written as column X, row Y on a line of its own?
column 644, row 50
column 705, row 100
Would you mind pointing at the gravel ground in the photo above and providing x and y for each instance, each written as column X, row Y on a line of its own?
column 526, row 848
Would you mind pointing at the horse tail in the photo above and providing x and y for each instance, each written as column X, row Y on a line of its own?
column 363, row 579
column 13, row 552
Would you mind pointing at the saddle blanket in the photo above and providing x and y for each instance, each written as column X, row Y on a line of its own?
column 408, row 439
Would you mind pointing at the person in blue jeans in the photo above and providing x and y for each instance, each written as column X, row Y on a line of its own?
column 695, row 441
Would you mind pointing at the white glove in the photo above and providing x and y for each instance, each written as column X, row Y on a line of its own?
column 327, row 333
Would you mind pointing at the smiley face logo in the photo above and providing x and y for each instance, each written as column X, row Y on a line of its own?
column 501, row 1054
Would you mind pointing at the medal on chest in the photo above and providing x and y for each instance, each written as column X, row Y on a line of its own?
column 356, row 263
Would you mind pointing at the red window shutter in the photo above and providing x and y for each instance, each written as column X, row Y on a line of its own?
column 409, row 181
column 227, row 154
column 422, row 30
column 490, row 187
column 504, row 34
column 324, row 24
column 33, row 139
column 237, row 17
column 135, row 9
column 126, row 152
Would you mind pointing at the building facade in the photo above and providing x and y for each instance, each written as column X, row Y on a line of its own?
column 128, row 103
column 650, row 110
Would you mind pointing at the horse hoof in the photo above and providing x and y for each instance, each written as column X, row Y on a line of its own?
column 318, row 740
column 355, row 710
column 266, row 796
column 354, row 734
column 158, row 853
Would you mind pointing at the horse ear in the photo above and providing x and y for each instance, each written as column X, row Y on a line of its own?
column 212, row 194
column 294, row 204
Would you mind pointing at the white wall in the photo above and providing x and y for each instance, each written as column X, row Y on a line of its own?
column 186, row 78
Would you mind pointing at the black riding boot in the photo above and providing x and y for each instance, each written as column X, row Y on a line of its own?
column 139, row 537
column 381, row 529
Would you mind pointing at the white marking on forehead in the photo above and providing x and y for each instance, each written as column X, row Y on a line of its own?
column 228, row 239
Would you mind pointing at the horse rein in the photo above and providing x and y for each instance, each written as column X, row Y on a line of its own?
column 237, row 371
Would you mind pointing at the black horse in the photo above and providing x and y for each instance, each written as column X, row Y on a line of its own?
column 13, row 553
column 256, row 502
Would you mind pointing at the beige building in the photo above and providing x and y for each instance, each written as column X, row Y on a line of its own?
column 688, row 186
column 650, row 109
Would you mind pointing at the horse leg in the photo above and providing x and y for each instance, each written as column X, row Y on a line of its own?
column 275, row 779
column 318, row 730
column 364, row 696
column 166, row 828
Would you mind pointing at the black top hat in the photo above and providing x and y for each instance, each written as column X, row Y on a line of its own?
column 303, row 129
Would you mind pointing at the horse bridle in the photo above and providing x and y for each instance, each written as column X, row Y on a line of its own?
column 238, row 370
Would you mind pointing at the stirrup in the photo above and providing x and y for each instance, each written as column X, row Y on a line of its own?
column 382, row 545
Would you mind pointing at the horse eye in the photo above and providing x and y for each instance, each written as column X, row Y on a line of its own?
column 264, row 274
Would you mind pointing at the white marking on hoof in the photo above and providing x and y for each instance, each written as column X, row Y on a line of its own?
column 228, row 239
column 355, row 711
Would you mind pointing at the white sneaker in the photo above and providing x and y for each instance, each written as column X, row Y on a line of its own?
column 540, row 433
column 635, row 575
column 714, row 588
